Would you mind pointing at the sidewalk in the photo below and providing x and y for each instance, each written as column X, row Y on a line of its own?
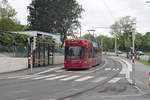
column 141, row 76
column 28, row 71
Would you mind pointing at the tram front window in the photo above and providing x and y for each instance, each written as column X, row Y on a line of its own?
column 74, row 52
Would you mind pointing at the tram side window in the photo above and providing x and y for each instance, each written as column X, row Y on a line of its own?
column 90, row 54
column 100, row 52
column 95, row 51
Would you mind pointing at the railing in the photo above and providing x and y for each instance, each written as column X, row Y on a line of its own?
column 13, row 51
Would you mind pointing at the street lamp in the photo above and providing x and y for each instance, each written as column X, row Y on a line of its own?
column 92, row 31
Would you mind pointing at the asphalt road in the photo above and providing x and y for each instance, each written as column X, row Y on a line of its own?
column 103, row 82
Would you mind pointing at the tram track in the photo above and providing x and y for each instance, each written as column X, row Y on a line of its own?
column 91, row 88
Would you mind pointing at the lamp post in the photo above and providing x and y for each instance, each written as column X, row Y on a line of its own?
column 92, row 31
column 133, row 56
column 116, row 45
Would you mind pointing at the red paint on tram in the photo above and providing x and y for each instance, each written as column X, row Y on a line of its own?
column 81, row 54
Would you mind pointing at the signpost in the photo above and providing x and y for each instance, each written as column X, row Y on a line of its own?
column 149, row 78
column 133, row 58
column 32, row 46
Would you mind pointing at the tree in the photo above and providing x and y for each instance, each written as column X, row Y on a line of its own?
column 122, row 28
column 138, row 41
column 146, row 42
column 8, row 21
column 7, row 16
column 54, row 16
column 108, row 43
column 89, row 37
column 6, row 11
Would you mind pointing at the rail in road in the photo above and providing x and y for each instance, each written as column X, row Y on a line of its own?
column 60, row 84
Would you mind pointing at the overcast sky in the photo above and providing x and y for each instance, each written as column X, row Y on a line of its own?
column 100, row 13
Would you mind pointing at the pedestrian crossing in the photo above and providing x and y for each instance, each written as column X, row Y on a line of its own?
column 56, row 77
column 65, row 77
column 69, row 78
column 43, row 77
column 84, row 78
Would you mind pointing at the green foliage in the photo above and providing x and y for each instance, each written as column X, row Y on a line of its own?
column 121, row 30
column 8, row 21
column 6, row 39
column 106, row 42
column 146, row 42
column 41, row 39
column 138, row 41
column 89, row 37
column 20, row 40
column 6, row 11
column 144, row 62
column 54, row 16
column 142, row 42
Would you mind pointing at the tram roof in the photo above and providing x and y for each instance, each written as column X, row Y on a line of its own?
column 94, row 44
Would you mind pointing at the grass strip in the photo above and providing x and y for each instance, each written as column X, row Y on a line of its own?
column 144, row 62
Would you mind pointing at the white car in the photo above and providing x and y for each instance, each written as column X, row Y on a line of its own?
column 139, row 53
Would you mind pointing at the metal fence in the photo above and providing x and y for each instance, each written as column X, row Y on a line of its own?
column 13, row 51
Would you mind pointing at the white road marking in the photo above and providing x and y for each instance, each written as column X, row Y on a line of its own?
column 114, row 80
column 31, row 76
column 59, row 70
column 51, row 69
column 69, row 78
column 124, row 68
column 57, row 77
column 114, row 69
column 107, row 69
column 99, row 79
column 118, row 69
column 42, row 77
column 18, row 76
column 84, row 78
column 96, row 68
column 28, row 98
column 118, row 96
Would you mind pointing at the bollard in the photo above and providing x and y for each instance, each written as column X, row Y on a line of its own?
column 149, row 79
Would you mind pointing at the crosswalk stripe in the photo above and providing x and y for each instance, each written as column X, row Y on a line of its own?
column 84, row 78
column 51, row 69
column 18, row 76
column 99, row 79
column 57, row 77
column 118, row 69
column 59, row 70
column 114, row 80
column 30, row 76
column 107, row 69
column 69, row 78
column 42, row 77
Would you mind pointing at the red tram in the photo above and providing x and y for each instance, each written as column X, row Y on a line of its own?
column 81, row 54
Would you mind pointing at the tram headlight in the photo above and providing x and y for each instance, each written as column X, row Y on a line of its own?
column 85, row 62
